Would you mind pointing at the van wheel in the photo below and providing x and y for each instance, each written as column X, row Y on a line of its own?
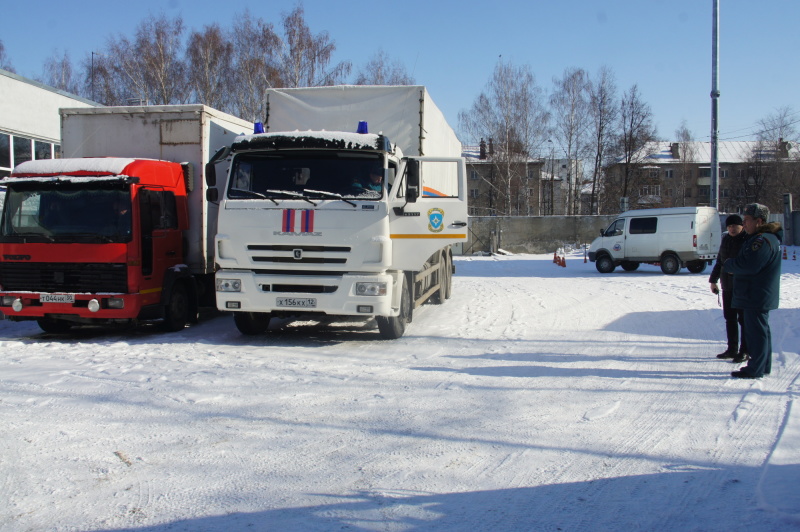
column 176, row 314
column 393, row 327
column 696, row 266
column 252, row 323
column 629, row 265
column 670, row 264
column 604, row 264
column 52, row 326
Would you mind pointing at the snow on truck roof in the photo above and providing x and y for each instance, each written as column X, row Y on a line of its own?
column 303, row 139
column 80, row 170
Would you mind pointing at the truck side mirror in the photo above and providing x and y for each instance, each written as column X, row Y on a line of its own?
column 211, row 174
column 211, row 169
column 212, row 195
column 412, row 169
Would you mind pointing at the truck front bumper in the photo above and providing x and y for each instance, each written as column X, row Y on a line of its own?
column 68, row 306
column 345, row 295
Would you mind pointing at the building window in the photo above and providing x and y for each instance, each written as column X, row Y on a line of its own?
column 703, row 191
column 723, row 174
column 650, row 190
column 22, row 150
column 725, row 193
column 654, row 174
column 704, row 172
column 5, row 151
column 15, row 149
column 473, row 174
column 43, row 150
column 474, row 193
column 669, row 192
column 669, row 174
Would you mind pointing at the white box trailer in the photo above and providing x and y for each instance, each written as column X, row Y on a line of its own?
column 176, row 133
column 671, row 237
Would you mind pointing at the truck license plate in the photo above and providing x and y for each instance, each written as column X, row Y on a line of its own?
column 302, row 302
column 57, row 298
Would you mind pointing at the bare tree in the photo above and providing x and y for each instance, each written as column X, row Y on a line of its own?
column 570, row 107
column 635, row 132
column 256, row 56
column 774, row 166
column 380, row 70
column 58, row 72
column 603, row 109
column 209, row 58
column 686, row 155
column 305, row 58
column 510, row 111
column 5, row 62
column 151, row 64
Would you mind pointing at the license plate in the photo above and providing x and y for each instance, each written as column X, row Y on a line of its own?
column 57, row 298
column 301, row 302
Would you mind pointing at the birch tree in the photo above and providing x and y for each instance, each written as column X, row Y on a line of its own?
column 603, row 112
column 209, row 56
column 571, row 119
column 381, row 70
column 511, row 111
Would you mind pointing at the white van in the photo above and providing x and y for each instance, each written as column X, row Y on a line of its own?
column 674, row 238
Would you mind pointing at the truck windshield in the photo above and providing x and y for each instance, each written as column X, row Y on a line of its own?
column 66, row 214
column 315, row 175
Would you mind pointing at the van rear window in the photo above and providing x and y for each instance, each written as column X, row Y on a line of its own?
column 640, row 226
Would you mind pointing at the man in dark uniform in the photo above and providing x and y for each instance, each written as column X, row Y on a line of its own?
column 756, row 288
column 734, row 317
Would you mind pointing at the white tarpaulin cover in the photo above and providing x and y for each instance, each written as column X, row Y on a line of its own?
column 394, row 111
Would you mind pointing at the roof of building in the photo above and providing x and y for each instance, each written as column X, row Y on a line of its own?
column 700, row 152
column 40, row 85
column 472, row 154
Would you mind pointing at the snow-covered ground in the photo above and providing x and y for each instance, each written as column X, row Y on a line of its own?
column 537, row 398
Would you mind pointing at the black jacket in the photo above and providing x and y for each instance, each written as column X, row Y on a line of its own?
column 728, row 249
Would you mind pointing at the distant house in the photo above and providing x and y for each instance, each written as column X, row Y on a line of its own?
column 678, row 174
column 516, row 185
column 30, row 124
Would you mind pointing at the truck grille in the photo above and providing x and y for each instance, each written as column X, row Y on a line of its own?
column 65, row 277
column 300, row 254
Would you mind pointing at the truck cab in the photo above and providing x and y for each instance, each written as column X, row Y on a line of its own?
column 335, row 223
column 90, row 241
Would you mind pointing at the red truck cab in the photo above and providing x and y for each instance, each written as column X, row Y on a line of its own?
column 95, row 241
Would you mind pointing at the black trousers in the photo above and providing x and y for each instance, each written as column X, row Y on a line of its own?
column 734, row 319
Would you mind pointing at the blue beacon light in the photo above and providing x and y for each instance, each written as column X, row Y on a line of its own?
column 363, row 128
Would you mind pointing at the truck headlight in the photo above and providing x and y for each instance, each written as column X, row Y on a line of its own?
column 229, row 285
column 371, row 289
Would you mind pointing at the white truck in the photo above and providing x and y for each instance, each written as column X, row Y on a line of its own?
column 319, row 216
column 119, row 230
column 672, row 237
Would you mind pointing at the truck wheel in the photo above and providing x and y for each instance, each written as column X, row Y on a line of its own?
column 629, row 265
column 696, row 266
column 448, row 276
column 438, row 297
column 176, row 313
column 670, row 264
column 604, row 264
column 393, row 327
column 252, row 323
column 52, row 326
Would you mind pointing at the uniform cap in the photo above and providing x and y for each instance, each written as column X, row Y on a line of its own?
column 756, row 210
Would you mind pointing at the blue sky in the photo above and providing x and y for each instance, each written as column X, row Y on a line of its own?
column 453, row 47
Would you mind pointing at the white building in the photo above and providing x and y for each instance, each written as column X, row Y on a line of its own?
column 30, row 124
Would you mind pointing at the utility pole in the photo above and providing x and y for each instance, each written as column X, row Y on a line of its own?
column 714, row 106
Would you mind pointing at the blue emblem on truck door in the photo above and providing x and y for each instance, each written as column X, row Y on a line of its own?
column 435, row 220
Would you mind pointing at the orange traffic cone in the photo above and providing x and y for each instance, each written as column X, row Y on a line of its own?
column 555, row 257
column 784, row 252
column 794, row 255
column 564, row 261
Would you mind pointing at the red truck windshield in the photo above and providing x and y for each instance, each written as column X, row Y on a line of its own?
column 66, row 214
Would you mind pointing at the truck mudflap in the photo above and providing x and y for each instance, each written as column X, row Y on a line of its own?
column 68, row 306
column 345, row 295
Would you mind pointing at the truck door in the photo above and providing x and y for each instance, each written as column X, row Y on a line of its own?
column 641, row 238
column 428, row 209
column 161, row 240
